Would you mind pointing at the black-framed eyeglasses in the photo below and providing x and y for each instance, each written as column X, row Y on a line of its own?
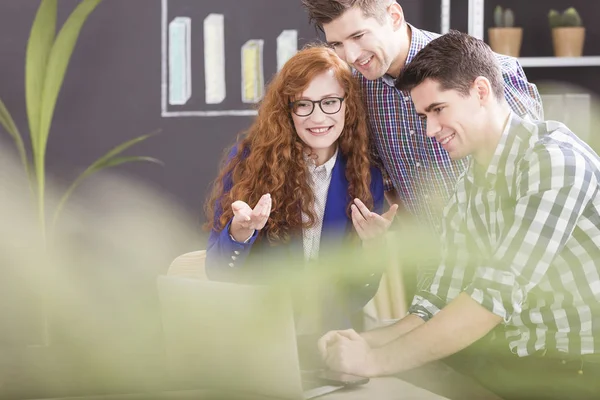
column 329, row 105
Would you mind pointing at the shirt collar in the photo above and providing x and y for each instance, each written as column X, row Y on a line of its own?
column 417, row 42
column 501, row 147
column 327, row 166
column 506, row 145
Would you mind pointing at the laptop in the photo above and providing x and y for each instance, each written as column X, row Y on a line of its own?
column 233, row 338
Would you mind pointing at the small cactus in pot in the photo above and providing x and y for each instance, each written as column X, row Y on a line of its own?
column 568, row 33
column 504, row 37
column 504, row 18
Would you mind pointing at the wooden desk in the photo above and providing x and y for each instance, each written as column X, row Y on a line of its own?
column 438, row 377
column 378, row 389
column 384, row 389
column 434, row 381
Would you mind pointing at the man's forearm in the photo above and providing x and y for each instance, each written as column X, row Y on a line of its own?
column 458, row 325
column 382, row 336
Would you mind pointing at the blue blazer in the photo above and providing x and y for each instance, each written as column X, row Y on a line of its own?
column 253, row 262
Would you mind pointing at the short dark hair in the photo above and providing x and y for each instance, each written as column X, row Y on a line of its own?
column 322, row 12
column 454, row 60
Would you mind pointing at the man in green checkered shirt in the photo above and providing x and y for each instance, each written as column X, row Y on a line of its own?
column 520, row 244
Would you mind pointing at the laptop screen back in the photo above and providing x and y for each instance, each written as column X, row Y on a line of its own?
column 230, row 337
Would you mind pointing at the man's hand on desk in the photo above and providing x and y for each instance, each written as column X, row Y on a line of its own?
column 346, row 351
column 458, row 325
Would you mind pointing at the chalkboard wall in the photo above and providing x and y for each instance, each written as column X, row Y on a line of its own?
column 112, row 91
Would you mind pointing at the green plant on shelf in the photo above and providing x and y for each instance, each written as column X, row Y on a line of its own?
column 504, row 18
column 568, row 18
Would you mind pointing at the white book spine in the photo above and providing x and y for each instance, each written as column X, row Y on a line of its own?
column 214, row 58
column 180, row 61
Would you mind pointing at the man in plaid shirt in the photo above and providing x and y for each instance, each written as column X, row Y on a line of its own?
column 521, row 242
column 373, row 37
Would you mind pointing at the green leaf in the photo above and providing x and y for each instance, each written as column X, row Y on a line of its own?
column 121, row 148
column 41, row 38
column 112, row 162
column 9, row 124
column 58, row 61
column 110, row 159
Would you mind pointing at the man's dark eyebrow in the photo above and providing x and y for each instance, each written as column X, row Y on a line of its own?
column 356, row 33
column 349, row 36
column 432, row 106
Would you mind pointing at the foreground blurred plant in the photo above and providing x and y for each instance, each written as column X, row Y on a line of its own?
column 46, row 62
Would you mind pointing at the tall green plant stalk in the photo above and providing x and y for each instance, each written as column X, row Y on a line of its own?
column 39, row 45
column 46, row 62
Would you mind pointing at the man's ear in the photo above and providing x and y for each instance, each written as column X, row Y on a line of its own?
column 395, row 11
column 483, row 89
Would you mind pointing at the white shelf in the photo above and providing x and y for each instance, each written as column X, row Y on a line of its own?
column 585, row 61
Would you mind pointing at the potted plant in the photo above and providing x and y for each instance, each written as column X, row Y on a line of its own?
column 568, row 33
column 47, row 58
column 46, row 61
column 505, row 38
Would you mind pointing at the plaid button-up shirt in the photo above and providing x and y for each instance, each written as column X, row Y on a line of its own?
column 523, row 240
column 417, row 166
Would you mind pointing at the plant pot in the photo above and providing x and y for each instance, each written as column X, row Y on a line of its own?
column 568, row 41
column 506, row 41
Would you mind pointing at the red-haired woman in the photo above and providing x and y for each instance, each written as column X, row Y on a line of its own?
column 298, row 181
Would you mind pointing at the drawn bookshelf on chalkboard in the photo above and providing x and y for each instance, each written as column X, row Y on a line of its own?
column 177, row 72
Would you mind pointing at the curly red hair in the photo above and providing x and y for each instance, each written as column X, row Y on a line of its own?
column 269, row 157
